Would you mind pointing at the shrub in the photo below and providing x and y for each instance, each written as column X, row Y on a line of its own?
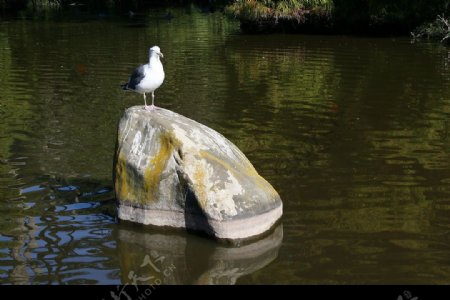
column 437, row 30
column 275, row 10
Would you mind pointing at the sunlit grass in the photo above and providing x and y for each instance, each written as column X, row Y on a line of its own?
column 297, row 10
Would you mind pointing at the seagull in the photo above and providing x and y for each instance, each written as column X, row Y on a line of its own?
column 147, row 78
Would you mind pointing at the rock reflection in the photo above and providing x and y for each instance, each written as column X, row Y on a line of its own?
column 150, row 257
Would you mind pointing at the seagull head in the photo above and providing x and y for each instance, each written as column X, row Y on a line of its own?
column 156, row 50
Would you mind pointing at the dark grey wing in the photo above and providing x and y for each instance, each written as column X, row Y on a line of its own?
column 136, row 77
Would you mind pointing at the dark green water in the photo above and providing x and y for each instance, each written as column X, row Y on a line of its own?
column 352, row 132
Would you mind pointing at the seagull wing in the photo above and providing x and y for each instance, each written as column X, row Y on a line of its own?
column 136, row 77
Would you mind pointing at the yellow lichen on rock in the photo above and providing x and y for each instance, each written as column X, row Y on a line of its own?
column 121, row 182
column 157, row 164
column 248, row 170
column 200, row 187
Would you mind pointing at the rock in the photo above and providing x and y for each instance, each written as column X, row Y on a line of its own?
column 173, row 171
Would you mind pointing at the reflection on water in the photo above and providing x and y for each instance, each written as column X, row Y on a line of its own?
column 352, row 132
column 58, row 232
column 183, row 259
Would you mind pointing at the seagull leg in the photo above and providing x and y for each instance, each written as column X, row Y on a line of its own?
column 146, row 107
column 153, row 101
column 150, row 107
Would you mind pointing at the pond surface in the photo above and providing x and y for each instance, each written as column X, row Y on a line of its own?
column 352, row 132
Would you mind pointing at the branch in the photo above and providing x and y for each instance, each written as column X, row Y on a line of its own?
column 445, row 21
column 446, row 37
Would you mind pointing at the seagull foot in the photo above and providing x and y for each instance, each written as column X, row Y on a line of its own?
column 150, row 107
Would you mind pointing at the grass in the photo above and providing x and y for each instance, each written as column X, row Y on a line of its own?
column 297, row 10
column 389, row 17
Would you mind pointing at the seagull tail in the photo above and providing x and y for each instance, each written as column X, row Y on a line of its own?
column 124, row 86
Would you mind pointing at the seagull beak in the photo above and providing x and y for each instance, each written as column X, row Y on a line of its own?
column 160, row 54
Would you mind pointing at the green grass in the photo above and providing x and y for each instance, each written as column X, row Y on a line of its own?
column 275, row 10
column 363, row 16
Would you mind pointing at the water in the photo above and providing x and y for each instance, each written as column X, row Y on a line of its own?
column 352, row 132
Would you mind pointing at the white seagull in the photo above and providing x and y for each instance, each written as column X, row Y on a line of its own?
column 147, row 78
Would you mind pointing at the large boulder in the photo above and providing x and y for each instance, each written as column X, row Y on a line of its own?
column 173, row 171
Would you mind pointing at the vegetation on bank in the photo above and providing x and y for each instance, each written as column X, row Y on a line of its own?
column 355, row 16
column 439, row 29
column 36, row 7
column 391, row 17
column 263, row 15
